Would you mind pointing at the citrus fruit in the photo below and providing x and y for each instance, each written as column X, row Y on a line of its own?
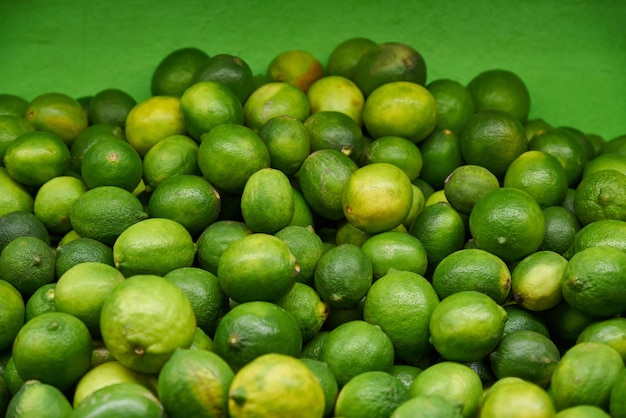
column 466, row 326
column 275, row 385
column 129, row 399
column 207, row 104
column 520, row 319
column 297, row 67
column 275, row 99
column 398, row 151
column 201, row 341
column 267, row 203
column 13, row 380
column 516, row 398
column 405, row 373
column 257, row 266
column 36, row 157
column 343, row 275
column 585, row 375
column 528, row 355
column 88, row 137
column 336, row 130
column 394, row 249
column 455, row 104
column 562, row 226
column 14, row 197
column 536, row 280
column 54, row 200
column 582, row 411
column 503, row 90
column 507, row 222
column 356, row 347
column 565, row 147
column 195, row 383
column 81, row 250
column 58, row 114
column 610, row 331
column 41, row 301
column 208, row 301
column 441, row 230
column 389, row 62
column 188, row 199
column 327, row 380
column 565, row 323
column 401, row 304
column 377, row 197
column 427, row 407
column 252, row 329
column 536, row 127
column 214, row 240
column 593, row 281
column 175, row 72
column 177, row 154
column 35, row 397
column 12, row 104
column 312, row 349
column 454, row 382
column 110, row 107
column 345, row 56
column 400, row 108
column 54, row 348
column 306, row 306
column 27, row 263
column 144, row 320
column 338, row 94
column 605, row 161
column 302, row 214
column 322, row 177
column 112, row 162
column 229, row 154
column 152, row 120
column 472, row 269
column 598, row 197
column 616, row 401
column 466, row 185
column 11, row 127
column 441, row 154
column 493, row 139
column 287, row 141
column 20, row 223
column 229, row 70
column 370, row 394
column 605, row 233
column 12, row 313
column 306, row 245
column 107, row 374
column 153, row 246
column 82, row 289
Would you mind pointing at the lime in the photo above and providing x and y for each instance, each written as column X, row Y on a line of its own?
column 175, row 72
column 515, row 397
column 308, row 309
column 398, row 151
column 373, row 394
column 229, row 70
column 177, row 154
column 502, row 90
column 110, row 107
column 306, row 245
column 214, row 240
column 466, row 185
column 296, row 67
column 275, row 99
column 455, row 104
column 398, row 250
column 54, row 200
column 327, row 380
column 441, row 154
column 58, row 114
column 345, row 56
column 81, row 250
column 14, row 197
column 597, row 197
column 132, row 400
column 34, row 397
column 565, row 147
column 427, row 407
column 610, row 331
column 338, row 94
column 267, row 203
column 536, row 280
column 12, row 313
column 27, row 263
column 562, row 227
column 287, row 141
column 41, row 301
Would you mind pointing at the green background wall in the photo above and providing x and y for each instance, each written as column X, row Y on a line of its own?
column 570, row 53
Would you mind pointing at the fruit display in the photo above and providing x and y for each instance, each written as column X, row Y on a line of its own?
column 337, row 238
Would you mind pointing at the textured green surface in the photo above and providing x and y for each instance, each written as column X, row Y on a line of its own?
column 571, row 53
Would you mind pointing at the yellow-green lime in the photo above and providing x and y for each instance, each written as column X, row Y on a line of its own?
column 536, row 280
column 343, row 275
column 565, row 147
column 11, row 127
column 345, row 56
column 605, row 233
column 472, row 269
column 144, row 320
column 153, row 246
column 455, row 382
column 405, row 373
column 400, row 108
column 427, row 407
column 208, row 301
column 306, row 245
column 312, row 349
column 54, row 200
column 35, row 397
column 394, row 249
column 419, row 202
column 308, row 309
column 398, row 151
column 513, row 397
column 82, row 289
column 188, row 199
column 177, row 154
column 201, row 341
column 267, row 203
column 583, row 411
column 455, row 104
column 41, row 301
column 287, row 141
column 215, row 239
column 229, row 154
column 276, row 385
column 346, row 233
column 195, row 383
column 373, row 394
column 339, row 94
column 275, row 99
column 252, row 329
column 593, row 281
column 14, row 197
column 466, row 185
column 585, row 375
column 12, row 313
column 103, row 213
column 175, row 71
column 36, row 157
column 466, row 326
column 58, row 114
column 401, row 304
column 528, row 355
column 356, row 347
column 605, row 161
column 54, row 348
column 327, row 381
column 297, row 67
column 610, row 331
column 598, row 197
column 107, row 374
column 129, row 399
column 27, row 263
column 152, row 120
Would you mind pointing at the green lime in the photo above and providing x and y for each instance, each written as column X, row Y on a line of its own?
column 287, row 141
column 373, row 394
column 177, row 154
column 275, row 99
column 501, row 90
column 229, row 70
column 441, row 154
column 35, row 397
column 12, row 313
column 176, row 70
column 41, row 301
column 58, row 114
column 455, row 104
column 397, row 250
column 215, row 239
column 27, row 263
column 267, row 203
column 306, row 245
column 81, row 250
column 345, row 56
column 110, row 107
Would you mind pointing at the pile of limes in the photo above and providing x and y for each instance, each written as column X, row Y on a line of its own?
column 338, row 239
